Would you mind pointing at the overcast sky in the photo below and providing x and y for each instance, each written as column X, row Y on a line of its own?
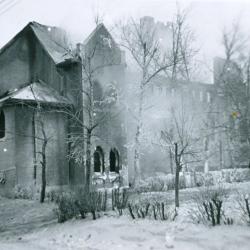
column 207, row 18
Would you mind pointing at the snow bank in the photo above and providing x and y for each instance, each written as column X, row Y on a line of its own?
column 194, row 179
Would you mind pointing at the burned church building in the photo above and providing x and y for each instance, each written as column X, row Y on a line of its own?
column 41, row 79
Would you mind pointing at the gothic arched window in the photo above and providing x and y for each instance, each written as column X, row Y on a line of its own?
column 98, row 160
column 114, row 161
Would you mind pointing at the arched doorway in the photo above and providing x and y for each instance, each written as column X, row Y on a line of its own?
column 2, row 124
column 114, row 161
column 98, row 160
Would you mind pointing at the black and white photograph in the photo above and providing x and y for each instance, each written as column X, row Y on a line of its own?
column 124, row 124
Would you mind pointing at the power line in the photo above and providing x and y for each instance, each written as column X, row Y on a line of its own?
column 5, row 3
column 2, row 1
column 9, row 6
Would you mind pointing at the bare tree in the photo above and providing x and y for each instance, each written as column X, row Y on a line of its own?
column 183, row 144
column 139, row 40
column 182, row 50
column 153, row 59
column 96, row 108
column 44, row 139
column 233, row 86
column 39, row 114
column 233, row 41
column 41, row 137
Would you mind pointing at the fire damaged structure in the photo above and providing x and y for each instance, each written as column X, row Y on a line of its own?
column 41, row 79
column 44, row 109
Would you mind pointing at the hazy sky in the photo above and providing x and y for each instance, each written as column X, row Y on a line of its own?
column 207, row 18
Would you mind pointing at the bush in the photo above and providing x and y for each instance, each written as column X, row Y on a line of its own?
column 159, row 184
column 208, row 179
column 210, row 207
column 119, row 199
column 226, row 176
column 244, row 203
column 53, row 195
column 90, row 202
column 95, row 202
column 182, row 182
column 21, row 192
column 67, row 208
column 81, row 203
column 142, row 187
column 170, row 182
column 151, row 210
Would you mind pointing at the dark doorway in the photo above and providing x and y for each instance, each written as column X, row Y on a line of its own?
column 2, row 124
column 98, row 160
column 114, row 160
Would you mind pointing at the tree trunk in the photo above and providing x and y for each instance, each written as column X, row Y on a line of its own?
column 34, row 149
column 137, row 156
column 171, row 161
column 43, row 163
column 177, row 176
column 88, row 161
column 137, row 168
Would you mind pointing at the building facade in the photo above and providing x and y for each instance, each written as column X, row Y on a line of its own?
column 41, row 79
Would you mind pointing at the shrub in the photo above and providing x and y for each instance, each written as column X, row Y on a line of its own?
column 157, row 185
column 210, row 207
column 90, row 202
column 94, row 202
column 226, row 176
column 142, row 186
column 198, row 179
column 53, row 195
column 182, row 182
column 21, row 192
column 67, row 208
column 244, row 203
column 119, row 199
column 80, row 202
column 161, row 211
column 152, row 210
column 170, row 182
column 208, row 179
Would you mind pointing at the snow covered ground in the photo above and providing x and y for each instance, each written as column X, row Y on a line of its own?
column 41, row 232
column 19, row 216
column 123, row 233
